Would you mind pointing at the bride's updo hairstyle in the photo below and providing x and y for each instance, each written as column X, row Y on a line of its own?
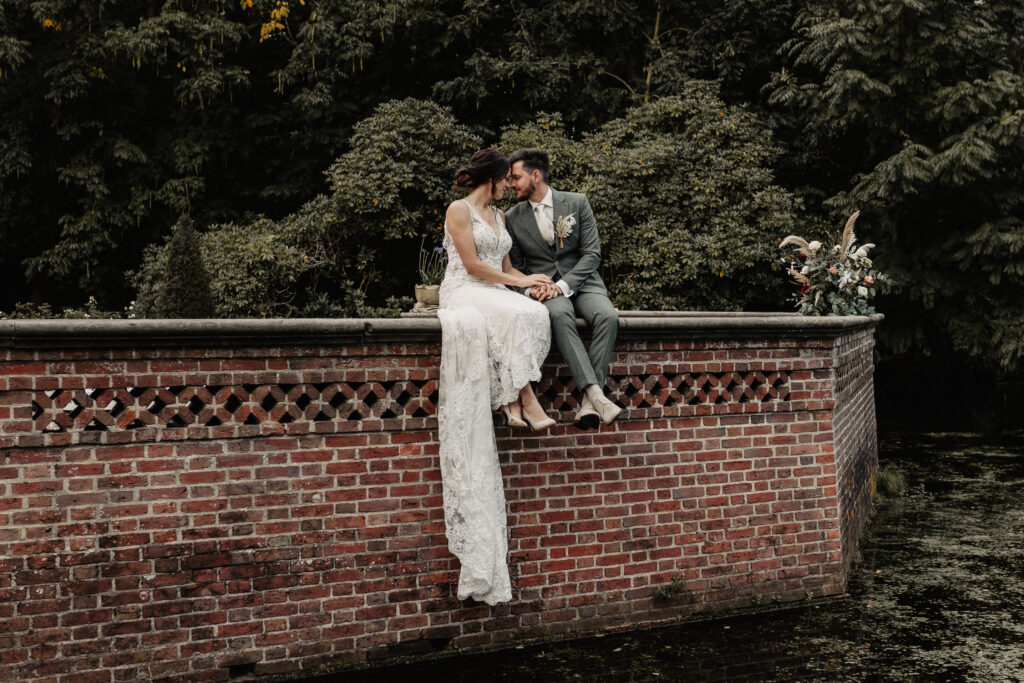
column 486, row 166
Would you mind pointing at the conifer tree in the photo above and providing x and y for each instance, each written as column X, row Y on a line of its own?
column 185, row 290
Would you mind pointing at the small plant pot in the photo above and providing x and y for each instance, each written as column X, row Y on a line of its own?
column 428, row 295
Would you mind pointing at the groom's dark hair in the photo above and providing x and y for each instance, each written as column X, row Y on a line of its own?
column 534, row 159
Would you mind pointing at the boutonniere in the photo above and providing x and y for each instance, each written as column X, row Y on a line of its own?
column 564, row 228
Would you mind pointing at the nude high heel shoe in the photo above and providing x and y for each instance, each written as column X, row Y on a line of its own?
column 538, row 426
column 512, row 421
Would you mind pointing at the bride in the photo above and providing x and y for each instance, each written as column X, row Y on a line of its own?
column 494, row 342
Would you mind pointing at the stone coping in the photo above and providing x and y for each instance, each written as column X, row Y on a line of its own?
column 633, row 325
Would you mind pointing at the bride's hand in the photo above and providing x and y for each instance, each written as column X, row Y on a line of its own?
column 534, row 280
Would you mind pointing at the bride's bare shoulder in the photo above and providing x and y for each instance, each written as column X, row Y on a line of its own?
column 458, row 211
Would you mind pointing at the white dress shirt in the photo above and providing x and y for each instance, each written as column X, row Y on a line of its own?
column 544, row 212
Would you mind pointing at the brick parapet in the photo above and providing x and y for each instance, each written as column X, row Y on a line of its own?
column 292, row 522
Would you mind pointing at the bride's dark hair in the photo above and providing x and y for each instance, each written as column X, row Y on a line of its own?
column 485, row 166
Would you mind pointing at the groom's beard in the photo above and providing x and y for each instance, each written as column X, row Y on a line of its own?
column 526, row 192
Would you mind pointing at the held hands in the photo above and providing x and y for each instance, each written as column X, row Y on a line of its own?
column 545, row 291
column 541, row 287
column 537, row 280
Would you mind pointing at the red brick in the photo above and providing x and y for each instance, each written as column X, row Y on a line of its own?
column 289, row 540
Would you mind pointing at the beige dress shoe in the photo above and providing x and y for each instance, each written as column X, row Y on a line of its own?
column 606, row 409
column 587, row 417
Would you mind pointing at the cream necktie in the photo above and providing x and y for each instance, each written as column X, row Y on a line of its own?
column 547, row 230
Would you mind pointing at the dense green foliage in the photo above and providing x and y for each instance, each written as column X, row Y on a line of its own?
column 119, row 117
column 312, row 144
column 683, row 194
column 386, row 193
column 680, row 186
column 184, row 290
column 913, row 112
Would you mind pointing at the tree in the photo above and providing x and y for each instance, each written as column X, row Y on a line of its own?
column 684, row 198
column 914, row 113
column 185, row 290
column 110, row 115
column 120, row 117
column 391, row 188
column 344, row 252
column 590, row 60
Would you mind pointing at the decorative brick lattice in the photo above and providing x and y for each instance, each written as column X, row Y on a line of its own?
column 674, row 389
column 61, row 410
column 250, row 404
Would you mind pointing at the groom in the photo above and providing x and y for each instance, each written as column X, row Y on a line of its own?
column 554, row 233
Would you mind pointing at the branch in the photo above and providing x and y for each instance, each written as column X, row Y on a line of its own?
column 627, row 85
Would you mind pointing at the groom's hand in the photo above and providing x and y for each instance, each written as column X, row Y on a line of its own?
column 545, row 292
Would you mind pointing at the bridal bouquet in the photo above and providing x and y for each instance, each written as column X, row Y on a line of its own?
column 836, row 281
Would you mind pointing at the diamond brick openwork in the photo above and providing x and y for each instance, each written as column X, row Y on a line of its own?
column 107, row 409
column 61, row 410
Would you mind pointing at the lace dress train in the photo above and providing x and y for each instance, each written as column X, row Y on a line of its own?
column 493, row 341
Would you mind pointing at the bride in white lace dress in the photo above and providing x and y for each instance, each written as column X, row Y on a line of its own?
column 494, row 341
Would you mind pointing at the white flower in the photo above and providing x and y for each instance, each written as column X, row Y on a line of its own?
column 805, row 270
column 863, row 291
column 814, row 246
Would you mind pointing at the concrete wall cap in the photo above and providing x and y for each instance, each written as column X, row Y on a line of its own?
column 640, row 325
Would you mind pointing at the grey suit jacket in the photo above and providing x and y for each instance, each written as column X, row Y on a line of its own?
column 576, row 262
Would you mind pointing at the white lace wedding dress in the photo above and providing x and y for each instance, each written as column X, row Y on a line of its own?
column 493, row 342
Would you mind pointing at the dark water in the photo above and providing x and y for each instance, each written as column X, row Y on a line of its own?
column 938, row 595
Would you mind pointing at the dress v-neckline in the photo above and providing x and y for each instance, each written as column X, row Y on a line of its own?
column 496, row 231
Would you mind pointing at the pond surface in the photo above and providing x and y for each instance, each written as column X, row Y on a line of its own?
column 938, row 595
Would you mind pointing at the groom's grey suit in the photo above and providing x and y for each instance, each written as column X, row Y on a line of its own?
column 575, row 262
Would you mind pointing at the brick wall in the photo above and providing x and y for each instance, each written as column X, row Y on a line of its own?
column 252, row 500
column 855, row 437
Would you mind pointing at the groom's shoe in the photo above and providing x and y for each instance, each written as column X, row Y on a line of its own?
column 606, row 409
column 587, row 417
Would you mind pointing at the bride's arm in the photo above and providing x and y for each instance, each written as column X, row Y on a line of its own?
column 461, row 230
column 546, row 292
column 508, row 268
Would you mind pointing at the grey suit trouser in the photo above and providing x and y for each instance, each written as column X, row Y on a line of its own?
column 588, row 367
